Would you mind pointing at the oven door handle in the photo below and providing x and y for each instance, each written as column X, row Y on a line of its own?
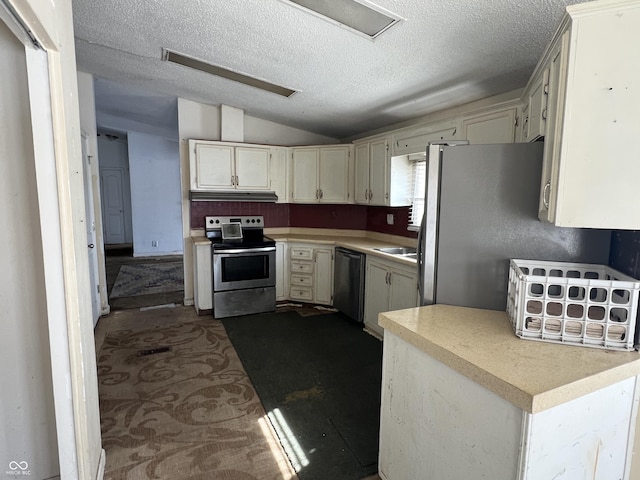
column 245, row 250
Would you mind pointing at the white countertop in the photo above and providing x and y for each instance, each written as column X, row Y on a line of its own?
column 481, row 345
column 364, row 242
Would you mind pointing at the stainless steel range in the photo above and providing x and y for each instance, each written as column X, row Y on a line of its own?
column 244, row 266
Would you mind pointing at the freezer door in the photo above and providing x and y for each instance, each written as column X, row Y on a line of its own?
column 487, row 214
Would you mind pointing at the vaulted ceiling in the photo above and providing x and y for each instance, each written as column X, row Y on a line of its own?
column 443, row 53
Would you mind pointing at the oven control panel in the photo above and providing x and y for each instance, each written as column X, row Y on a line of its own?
column 253, row 221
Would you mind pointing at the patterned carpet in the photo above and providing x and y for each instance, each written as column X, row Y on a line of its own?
column 187, row 410
column 148, row 278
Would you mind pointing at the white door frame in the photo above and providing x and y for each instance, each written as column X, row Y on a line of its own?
column 52, row 78
column 92, row 239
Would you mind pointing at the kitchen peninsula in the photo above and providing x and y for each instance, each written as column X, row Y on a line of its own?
column 463, row 397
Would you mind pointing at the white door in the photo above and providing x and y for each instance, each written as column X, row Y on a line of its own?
column 112, row 186
column 92, row 248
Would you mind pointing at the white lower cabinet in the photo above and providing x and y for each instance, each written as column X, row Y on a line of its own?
column 436, row 423
column 282, row 279
column 311, row 273
column 388, row 286
column 203, row 277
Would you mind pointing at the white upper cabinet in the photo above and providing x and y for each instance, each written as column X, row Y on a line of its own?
column 279, row 173
column 212, row 167
column 492, row 127
column 415, row 140
column 379, row 173
column 320, row 174
column 224, row 166
column 534, row 109
column 333, row 174
column 379, row 178
column 304, row 185
column 591, row 159
column 252, row 168
column 361, row 177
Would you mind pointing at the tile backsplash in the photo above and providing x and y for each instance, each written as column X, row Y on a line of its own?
column 350, row 217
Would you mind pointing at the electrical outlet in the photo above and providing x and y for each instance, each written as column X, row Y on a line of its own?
column 389, row 218
column 154, row 243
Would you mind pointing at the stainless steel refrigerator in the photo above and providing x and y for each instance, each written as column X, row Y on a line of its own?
column 481, row 209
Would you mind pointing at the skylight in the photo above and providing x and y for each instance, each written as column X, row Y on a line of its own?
column 361, row 15
column 222, row 72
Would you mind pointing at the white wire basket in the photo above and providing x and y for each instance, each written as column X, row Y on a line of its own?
column 572, row 303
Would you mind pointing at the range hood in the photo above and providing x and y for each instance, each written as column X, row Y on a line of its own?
column 233, row 196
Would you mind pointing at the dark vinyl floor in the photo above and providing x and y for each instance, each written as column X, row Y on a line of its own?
column 115, row 257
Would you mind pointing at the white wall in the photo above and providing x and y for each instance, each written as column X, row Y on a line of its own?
column 154, row 166
column 27, row 417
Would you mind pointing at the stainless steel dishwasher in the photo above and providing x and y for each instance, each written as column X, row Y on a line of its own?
column 348, row 283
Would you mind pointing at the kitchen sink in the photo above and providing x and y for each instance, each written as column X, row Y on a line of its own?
column 403, row 251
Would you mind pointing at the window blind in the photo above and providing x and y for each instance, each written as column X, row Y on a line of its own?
column 417, row 185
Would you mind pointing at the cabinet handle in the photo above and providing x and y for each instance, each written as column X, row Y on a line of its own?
column 237, row 181
column 316, row 194
column 233, row 180
column 544, row 114
column 321, row 194
column 370, row 194
column 545, row 194
column 366, row 194
column 545, row 90
column 386, row 196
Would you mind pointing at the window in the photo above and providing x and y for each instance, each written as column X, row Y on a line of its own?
column 417, row 185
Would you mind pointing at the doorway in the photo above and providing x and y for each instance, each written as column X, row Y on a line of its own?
column 115, row 190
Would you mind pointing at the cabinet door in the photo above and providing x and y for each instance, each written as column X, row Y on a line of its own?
column 555, row 96
column 279, row 173
column 403, row 290
column 305, row 175
column 282, row 272
column 495, row 127
column 376, row 295
column 323, row 287
column 537, row 113
column 416, row 140
column 214, row 167
column 334, row 174
column 202, row 277
column 362, row 173
column 378, row 167
column 252, row 168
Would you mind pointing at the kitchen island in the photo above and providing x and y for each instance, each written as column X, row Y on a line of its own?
column 463, row 397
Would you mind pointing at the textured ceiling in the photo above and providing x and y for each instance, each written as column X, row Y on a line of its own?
column 445, row 53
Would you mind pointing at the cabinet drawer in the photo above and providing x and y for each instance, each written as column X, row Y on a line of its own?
column 298, row 253
column 301, row 267
column 301, row 280
column 301, row 293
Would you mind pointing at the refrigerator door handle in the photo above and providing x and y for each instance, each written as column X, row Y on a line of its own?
column 420, row 259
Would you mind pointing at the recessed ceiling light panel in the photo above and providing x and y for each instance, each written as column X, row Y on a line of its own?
column 362, row 16
column 180, row 59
